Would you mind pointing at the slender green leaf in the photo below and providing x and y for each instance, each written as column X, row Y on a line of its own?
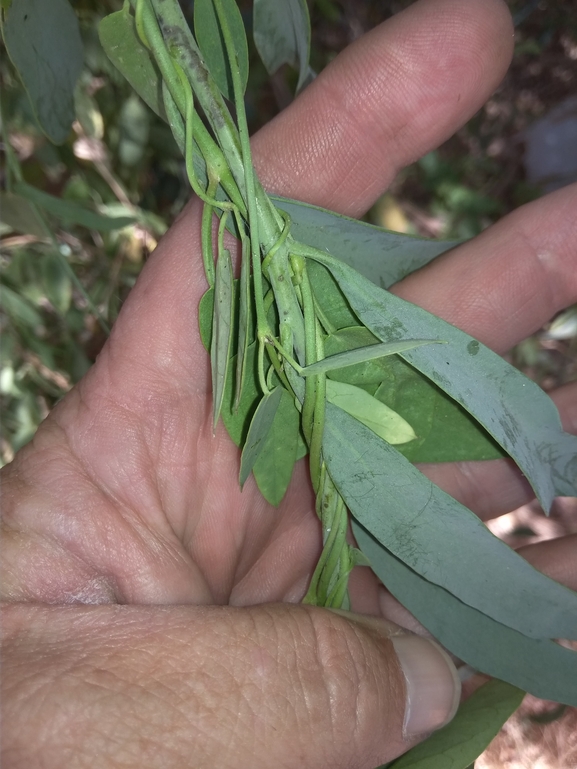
column 132, row 58
column 211, row 43
column 438, row 537
column 43, row 41
column 20, row 311
column 282, row 35
column 221, row 329
column 477, row 722
column 71, row 213
column 445, row 431
column 205, row 313
column 258, row 431
column 379, row 418
column 541, row 667
column 336, row 309
column 512, row 408
column 56, row 281
column 363, row 354
column 380, row 255
column 244, row 319
column 19, row 213
column 274, row 467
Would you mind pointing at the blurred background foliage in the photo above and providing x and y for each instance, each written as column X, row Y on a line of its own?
column 63, row 279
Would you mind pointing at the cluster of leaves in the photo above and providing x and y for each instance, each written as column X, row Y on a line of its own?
column 311, row 355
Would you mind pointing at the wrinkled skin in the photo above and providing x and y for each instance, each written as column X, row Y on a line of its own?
column 149, row 604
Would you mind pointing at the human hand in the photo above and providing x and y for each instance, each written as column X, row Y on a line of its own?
column 125, row 497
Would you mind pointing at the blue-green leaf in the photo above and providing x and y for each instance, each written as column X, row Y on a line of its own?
column 438, row 537
column 211, row 43
column 363, row 354
column 132, row 58
column 512, row 408
column 260, row 426
column 43, row 41
column 477, row 722
column 282, row 35
column 541, row 667
column 382, row 256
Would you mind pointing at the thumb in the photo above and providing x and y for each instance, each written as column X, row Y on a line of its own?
column 176, row 686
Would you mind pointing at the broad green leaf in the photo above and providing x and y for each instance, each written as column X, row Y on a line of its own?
column 43, row 41
column 258, row 431
column 282, row 35
column 382, row 256
column 363, row 354
column 211, row 43
column 274, row 467
column 512, row 408
column 132, row 58
column 379, row 418
column 445, row 431
column 237, row 419
column 71, row 213
column 56, row 281
column 329, row 296
column 438, row 537
column 541, row 667
column 477, row 722
column 221, row 329
column 20, row 214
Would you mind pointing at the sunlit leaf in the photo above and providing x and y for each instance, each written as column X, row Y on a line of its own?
column 282, row 35
column 541, row 667
column 438, row 537
column 132, row 58
column 260, row 426
column 512, row 408
column 274, row 467
column 71, row 213
column 43, row 41
column 379, row 418
column 477, row 722
column 211, row 43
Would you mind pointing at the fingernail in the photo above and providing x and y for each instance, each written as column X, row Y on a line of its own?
column 432, row 681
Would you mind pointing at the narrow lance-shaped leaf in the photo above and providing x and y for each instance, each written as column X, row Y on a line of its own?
column 282, row 35
column 258, row 431
column 363, row 354
column 244, row 319
column 132, row 58
column 512, row 408
column 477, row 722
column 379, row 418
column 43, row 41
column 438, row 537
column 221, row 329
column 211, row 43
column 541, row 667
column 72, row 213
